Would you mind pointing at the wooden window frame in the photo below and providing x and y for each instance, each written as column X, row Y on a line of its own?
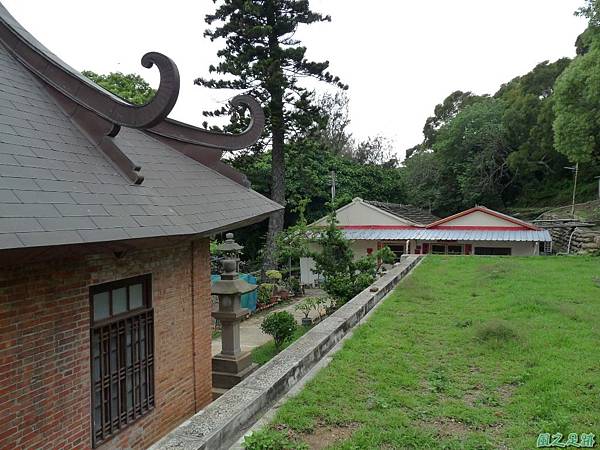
column 132, row 333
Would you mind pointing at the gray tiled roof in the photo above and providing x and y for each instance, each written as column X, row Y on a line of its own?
column 409, row 212
column 56, row 187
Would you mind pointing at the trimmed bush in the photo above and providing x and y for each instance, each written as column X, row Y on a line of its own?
column 274, row 275
column 281, row 325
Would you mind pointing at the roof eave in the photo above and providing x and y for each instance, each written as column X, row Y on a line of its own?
column 12, row 256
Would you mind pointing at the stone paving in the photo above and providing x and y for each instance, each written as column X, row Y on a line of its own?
column 250, row 334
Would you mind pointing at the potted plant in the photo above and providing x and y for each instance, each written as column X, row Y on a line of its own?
column 275, row 278
column 265, row 294
column 321, row 306
column 306, row 306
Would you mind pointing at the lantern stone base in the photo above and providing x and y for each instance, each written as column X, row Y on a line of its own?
column 229, row 371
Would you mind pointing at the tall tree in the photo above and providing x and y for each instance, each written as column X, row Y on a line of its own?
column 528, row 118
column 444, row 113
column 577, row 123
column 262, row 57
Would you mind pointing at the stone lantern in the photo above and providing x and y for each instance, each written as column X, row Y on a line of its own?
column 231, row 365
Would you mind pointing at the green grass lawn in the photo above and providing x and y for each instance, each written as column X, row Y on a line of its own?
column 468, row 352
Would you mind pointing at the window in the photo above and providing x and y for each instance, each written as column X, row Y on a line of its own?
column 438, row 249
column 122, row 355
column 445, row 249
column 455, row 249
column 545, row 248
column 493, row 251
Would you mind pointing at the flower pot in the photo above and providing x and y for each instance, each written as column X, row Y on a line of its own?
column 306, row 321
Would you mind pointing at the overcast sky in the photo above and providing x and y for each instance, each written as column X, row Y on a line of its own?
column 400, row 57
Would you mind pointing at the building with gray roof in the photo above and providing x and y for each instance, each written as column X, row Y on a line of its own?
column 106, row 209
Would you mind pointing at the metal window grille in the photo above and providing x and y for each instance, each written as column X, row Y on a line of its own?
column 122, row 355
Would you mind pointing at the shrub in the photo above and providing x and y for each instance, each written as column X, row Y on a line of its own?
column 281, row 325
column 344, row 276
column 265, row 291
column 385, row 255
column 267, row 439
column 274, row 275
column 294, row 285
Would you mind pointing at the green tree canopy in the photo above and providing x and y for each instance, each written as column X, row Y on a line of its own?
column 130, row 87
column 473, row 153
column 444, row 113
column 528, row 118
column 577, row 99
column 577, row 123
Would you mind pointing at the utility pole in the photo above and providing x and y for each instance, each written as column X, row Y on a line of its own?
column 598, row 178
column 575, row 170
column 332, row 188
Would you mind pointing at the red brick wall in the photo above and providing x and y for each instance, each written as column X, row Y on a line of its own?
column 44, row 345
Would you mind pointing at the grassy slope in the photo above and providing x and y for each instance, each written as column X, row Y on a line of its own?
column 433, row 367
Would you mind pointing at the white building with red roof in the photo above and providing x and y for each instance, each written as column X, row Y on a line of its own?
column 407, row 229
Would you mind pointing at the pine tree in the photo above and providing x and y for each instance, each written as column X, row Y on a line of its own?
column 263, row 58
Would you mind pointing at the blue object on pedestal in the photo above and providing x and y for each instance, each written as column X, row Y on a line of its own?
column 248, row 300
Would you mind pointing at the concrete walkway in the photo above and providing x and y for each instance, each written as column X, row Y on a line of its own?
column 251, row 335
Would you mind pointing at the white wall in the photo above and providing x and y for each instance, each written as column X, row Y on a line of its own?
column 518, row 248
column 359, row 247
column 480, row 219
column 359, row 213
column 308, row 277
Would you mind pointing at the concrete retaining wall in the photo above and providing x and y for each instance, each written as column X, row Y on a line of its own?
column 221, row 423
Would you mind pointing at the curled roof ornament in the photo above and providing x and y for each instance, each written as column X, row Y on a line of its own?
column 101, row 114
column 229, row 142
column 42, row 62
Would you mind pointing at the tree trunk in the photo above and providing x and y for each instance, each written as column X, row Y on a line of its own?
column 277, row 182
column 276, row 91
